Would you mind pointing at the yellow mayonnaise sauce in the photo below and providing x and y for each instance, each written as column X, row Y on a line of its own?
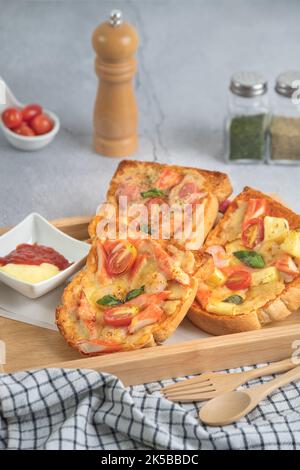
column 30, row 273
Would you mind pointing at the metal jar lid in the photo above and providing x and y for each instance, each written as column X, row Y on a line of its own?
column 248, row 84
column 285, row 83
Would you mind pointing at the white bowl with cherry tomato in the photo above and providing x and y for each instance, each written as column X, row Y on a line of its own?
column 29, row 127
column 26, row 127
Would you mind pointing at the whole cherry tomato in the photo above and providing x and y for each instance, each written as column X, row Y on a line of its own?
column 12, row 118
column 30, row 111
column 24, row 130
column 41, row 124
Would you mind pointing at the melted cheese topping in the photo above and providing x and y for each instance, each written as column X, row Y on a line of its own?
column 140, row 179
column 148, row 275
column 255, row 296
column 231, row 229
column 258, row 296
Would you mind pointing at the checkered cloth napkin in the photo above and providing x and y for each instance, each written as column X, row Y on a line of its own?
column 84, row 409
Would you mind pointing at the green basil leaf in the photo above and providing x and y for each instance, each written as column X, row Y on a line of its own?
column 234, row 299
column 154, row 192
column 134, row 293
column 109, row 300
column 250, row 258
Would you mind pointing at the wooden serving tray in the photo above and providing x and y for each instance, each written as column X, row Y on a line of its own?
column 31, row 347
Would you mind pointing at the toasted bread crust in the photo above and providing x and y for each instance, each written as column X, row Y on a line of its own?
column 222, row 324
column 218, row 185
column 155, row 334
column 210, row 214
column 168, row 327
column 218, row 182
column 275, row 310
column 69, row 300
column 276, row 209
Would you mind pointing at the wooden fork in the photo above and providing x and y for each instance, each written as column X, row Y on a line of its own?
column 212, row 384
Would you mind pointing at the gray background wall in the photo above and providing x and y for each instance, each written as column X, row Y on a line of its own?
column 187, row 53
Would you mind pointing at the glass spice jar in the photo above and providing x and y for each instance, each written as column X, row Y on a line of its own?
column 285, row 121
column 248, row 118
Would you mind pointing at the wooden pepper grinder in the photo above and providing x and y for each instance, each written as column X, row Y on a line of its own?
column 115, row 111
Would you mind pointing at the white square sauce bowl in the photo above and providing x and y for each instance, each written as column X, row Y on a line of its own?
column 35, row 229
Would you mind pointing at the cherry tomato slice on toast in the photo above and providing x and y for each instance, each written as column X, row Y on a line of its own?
column 239, row 280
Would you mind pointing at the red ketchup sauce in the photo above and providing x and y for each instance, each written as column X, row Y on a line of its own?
column 35, row 255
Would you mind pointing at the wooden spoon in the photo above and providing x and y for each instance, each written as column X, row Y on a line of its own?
column 231, row 406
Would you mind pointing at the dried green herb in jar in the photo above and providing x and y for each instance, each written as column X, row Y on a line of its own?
column 285, row 138
column 247, row 137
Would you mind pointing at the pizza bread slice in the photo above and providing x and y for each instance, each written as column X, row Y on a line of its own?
column 249, row 267
column 168, row 186
column 131, row 294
